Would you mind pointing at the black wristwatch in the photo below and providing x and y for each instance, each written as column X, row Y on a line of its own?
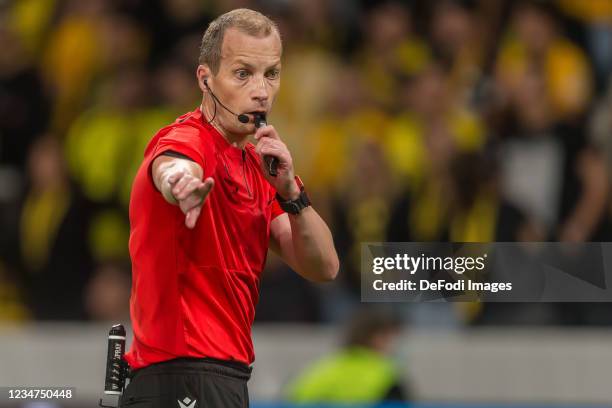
column 295, row 206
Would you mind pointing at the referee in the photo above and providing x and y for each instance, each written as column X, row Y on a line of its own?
column 204, row 209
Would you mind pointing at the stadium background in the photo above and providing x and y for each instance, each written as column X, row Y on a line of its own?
column 420, row 120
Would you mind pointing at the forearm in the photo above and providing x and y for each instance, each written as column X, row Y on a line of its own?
column 313, row 246
column 592, row 204
column 590, row 209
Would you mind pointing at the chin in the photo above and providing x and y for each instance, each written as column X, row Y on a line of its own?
column 247, row 129
column 244, row 130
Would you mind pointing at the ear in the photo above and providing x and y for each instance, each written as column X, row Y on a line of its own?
column 203, row 74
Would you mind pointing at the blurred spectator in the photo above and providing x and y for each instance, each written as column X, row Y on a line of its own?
column 362, row 371
column 548, row 169
column 78, row 33
column 100, row 140
column 361, row 210
column 478, row 213
column 455, row 33
column 474, row 212
column 24, row 103
column 421, row 142
column 53, row 229
column 536, row 43
column 532, row 154
column 24, row 114
column 391, row 49
column 104, row 42
column 348, row 119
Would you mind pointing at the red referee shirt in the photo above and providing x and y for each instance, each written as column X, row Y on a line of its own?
column 194, row 291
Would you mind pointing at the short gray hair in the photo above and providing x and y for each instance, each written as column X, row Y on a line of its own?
column 250, row 22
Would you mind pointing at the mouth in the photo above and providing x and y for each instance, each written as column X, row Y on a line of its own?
column 257, row 112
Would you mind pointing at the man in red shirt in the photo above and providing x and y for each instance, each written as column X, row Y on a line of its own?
column 205, row 207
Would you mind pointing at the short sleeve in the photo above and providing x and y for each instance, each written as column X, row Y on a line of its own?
column 185, row 140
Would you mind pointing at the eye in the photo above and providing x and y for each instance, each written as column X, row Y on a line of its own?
column 242, row 73
column 273, row 74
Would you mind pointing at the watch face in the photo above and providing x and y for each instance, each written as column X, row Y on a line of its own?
column 294, row 208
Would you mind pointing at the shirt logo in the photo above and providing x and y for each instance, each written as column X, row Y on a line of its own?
column 187, row 403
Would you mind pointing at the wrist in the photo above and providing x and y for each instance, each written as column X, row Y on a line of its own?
column 295, row 204
column 292, row 193
column 290, row 190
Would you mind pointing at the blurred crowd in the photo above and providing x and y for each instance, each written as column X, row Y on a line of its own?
column 444, row 120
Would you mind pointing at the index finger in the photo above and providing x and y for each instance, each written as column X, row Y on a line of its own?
column 205, row 187
column 267, row 131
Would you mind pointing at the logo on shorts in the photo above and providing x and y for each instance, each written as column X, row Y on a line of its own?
column 187, row 403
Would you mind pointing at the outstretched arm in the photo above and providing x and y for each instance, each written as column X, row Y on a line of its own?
column 180, row 182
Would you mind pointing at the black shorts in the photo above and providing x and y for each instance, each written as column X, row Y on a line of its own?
column 188, row 383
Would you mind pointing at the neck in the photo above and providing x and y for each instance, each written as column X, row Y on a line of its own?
column 208, row 111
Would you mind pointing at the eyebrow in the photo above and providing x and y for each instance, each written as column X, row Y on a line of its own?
column 246, row 64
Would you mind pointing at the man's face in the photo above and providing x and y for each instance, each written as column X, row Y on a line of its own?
column 248, row 78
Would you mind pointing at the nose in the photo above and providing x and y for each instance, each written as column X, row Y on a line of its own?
column 260, row 91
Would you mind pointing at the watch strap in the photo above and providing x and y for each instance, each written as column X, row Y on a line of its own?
column 295, row 206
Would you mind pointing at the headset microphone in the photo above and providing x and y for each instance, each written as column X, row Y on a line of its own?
column 242, row 118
